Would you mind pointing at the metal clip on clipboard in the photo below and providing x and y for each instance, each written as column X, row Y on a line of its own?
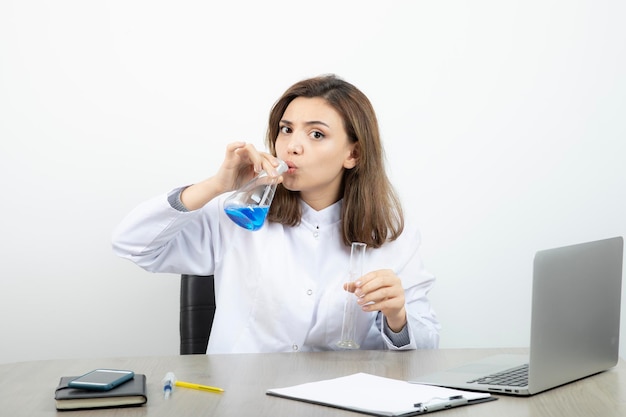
column 436, row 404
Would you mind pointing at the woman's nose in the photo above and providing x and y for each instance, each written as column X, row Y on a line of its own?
column 294, row 147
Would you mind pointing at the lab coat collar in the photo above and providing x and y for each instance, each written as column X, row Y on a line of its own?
column 329, row 215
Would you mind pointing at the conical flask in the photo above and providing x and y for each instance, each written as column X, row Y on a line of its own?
column 248, row 206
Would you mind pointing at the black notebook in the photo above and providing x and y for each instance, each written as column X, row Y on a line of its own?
column 130, row 393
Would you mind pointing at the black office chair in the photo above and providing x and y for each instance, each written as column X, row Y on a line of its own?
column 197, row 309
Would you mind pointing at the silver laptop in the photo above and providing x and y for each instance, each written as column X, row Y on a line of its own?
column 575, row 324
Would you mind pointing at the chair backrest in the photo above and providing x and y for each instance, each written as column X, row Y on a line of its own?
column 197, row 309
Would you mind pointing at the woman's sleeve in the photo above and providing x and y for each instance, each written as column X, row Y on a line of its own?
column 160, row 238
column 422, row 323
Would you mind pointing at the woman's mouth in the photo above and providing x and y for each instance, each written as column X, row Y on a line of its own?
column 292, row 167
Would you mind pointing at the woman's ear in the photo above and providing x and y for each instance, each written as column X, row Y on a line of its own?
column 353, row 157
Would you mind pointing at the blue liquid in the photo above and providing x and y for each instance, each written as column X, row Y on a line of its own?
column 249, row 217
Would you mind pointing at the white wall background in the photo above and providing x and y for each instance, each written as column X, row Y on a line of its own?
column 504, row 123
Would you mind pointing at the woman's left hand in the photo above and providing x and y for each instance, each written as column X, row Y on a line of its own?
column 381, row 291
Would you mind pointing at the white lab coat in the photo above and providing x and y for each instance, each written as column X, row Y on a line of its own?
column 279, row 288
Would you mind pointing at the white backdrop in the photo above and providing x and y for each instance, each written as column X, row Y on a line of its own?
column 504, row 124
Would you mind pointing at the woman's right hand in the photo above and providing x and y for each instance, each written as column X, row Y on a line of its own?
column 242, row 162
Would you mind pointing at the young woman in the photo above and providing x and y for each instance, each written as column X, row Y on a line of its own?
column 281, row 288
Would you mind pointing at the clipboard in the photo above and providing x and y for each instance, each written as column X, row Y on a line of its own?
column 380, row 396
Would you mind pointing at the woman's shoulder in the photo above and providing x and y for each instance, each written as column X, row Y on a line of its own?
column 411, row 230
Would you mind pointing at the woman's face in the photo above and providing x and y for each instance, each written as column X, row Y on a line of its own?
column 313, row 142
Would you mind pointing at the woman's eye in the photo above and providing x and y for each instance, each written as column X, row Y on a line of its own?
column 285, row 129
column 317, row 135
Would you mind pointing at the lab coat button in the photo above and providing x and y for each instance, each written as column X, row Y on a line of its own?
column 295, row 348
column 309, row 292
column 316, row 234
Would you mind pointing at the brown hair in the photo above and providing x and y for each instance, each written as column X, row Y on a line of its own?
column 375, row 212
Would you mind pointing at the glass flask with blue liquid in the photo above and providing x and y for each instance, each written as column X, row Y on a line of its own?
column 249, row 205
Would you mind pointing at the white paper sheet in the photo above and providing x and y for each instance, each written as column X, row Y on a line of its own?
column 373, row 394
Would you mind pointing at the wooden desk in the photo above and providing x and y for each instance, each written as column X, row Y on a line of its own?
column 27, row 388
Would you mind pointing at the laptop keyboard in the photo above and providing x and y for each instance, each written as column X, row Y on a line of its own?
column 515, row 377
